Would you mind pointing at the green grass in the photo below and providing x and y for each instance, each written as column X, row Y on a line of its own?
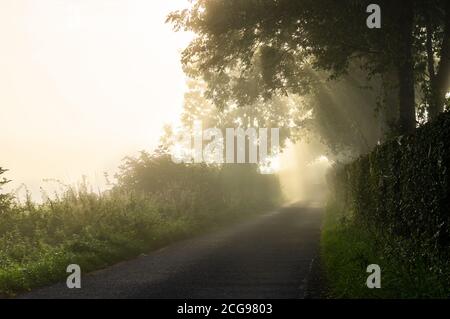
column 154, row 203
column 406, row 272
column 91, row 231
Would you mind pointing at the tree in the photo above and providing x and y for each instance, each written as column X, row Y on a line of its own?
column 274, row 113
column 247, row 50
column 434, row 40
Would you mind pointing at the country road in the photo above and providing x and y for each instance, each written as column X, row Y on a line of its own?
column 267, row 257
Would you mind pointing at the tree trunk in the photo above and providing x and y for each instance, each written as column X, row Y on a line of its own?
column 407, row 118
column 390, row 114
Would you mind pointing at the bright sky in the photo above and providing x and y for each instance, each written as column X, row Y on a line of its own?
column 84, row 83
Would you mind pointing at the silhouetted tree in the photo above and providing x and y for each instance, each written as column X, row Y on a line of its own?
column 248, row 50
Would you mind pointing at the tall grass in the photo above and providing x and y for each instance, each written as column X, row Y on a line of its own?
column 155, row 202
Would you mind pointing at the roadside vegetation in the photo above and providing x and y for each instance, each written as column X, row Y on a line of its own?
column 155, row 202
column 347, row 250
column 390, row 208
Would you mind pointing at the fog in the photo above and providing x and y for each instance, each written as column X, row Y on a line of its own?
column 303, row 170
column 87, row 83
column 83, row 84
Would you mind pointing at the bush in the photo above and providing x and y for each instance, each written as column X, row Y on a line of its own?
column 154, row 203
column 399, row 196
column 199, row 191
column 4, row 198
column 402, row 188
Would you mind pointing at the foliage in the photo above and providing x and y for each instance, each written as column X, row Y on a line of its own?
column 402, row 186
column 352, row 128
column 4, row 198
column 399, row 195
column 155, row 202
column 198, row 190
column 347, row 249
column 248, row 51
column 275, row 113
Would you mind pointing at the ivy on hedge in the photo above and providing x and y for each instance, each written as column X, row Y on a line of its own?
column 402, row 188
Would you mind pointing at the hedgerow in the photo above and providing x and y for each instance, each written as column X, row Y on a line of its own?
column 398, row 196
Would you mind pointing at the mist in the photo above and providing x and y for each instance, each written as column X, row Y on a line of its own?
column 81, row 84
column 303, row 170
column 215, row 149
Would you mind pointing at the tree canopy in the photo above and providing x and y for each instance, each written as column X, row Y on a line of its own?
column 248, row 51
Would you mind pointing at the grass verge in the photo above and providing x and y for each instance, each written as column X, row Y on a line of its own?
column 406, row 272
column 109, row 232
column 154, row 202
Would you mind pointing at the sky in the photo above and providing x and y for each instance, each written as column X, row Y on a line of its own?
column 84, row 83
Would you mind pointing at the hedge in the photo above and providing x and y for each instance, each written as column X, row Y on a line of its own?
column 401, row 190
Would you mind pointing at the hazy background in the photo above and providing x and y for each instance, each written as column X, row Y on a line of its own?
column 84, row 83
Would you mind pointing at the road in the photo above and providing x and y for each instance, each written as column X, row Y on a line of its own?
column 267, row 257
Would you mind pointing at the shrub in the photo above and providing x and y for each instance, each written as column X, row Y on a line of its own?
column 154, row 203
column 402, row 188
column 398, row 196
column 4, row 198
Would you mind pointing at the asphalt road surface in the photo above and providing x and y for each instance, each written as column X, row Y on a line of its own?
column 267, row 257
